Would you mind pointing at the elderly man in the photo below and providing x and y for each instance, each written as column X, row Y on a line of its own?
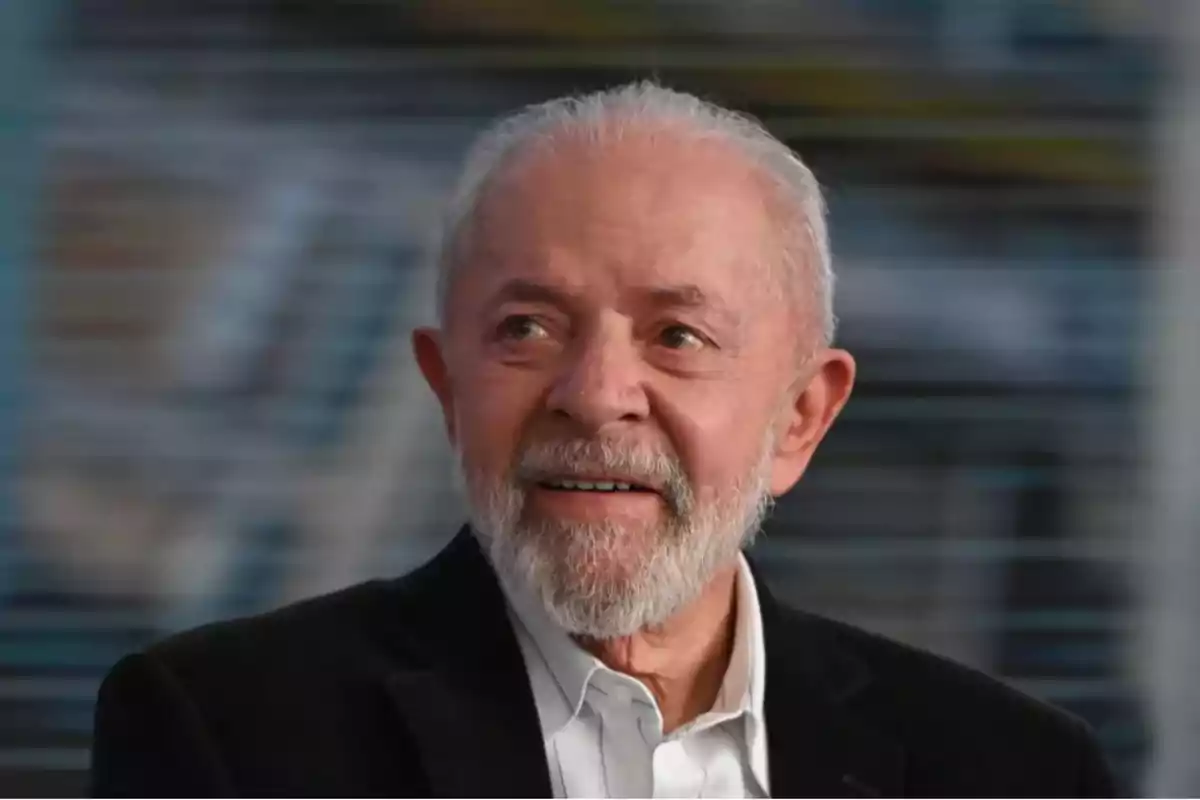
column 634, row 359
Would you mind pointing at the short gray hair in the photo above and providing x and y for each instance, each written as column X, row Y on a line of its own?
column 640, row 103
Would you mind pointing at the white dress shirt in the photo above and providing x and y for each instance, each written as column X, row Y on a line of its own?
column 603, row 731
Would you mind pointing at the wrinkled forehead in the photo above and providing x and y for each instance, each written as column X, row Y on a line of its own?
column 682, row 183
column 647, row 206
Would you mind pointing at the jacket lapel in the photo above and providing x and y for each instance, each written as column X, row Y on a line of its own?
column 817, row 747
column 468, row 704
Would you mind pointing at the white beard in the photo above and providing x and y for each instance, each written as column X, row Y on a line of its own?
column 568, row 565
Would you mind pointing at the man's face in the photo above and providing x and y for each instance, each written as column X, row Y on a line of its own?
column 617, row 371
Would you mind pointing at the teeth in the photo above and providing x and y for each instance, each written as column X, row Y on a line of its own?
column 592, row 486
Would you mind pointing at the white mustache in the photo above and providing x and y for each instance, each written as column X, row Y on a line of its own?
column 656, row 469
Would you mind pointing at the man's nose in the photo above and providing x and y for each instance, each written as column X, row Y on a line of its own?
column 601, row 385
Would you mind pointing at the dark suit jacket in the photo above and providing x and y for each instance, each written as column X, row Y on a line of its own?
column 416, row 686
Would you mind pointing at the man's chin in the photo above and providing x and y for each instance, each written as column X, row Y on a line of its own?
column 608, row 572
column 599, row 618
column 593, row 595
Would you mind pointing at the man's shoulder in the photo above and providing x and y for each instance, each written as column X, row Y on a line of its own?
column 355, row 627
column 370, row 628
column 916, row 692
column 313, row 640
column 961, row 731
column 332, row 614
column 244, row 695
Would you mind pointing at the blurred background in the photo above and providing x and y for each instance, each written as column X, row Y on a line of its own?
column 212, row 217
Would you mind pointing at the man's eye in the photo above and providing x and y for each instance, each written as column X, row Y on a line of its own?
column 520, row 328
column 681, row 337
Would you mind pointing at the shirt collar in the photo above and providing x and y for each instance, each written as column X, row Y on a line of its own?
column 742, row 687
column 571, row 667
column 547, row 647
column 749, row 635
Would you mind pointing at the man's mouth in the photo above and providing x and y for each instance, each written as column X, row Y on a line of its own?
column 599, row 485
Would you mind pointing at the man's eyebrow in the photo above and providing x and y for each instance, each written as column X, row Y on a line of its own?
column 679, row 296
column 522, row 290
column 689, row 296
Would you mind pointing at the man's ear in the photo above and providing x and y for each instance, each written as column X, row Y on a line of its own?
column 818, row 396
column 428, row 349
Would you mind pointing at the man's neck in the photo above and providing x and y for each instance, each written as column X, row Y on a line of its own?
column 682, row 661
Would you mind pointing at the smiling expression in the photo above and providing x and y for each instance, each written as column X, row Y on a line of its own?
column 618, row 365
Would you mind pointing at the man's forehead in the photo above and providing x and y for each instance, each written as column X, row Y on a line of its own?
column 683, row 232
column 669, row 180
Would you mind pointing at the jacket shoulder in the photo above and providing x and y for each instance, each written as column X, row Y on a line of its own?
column 362, row 628
column 338, row 614
column 960, row 725
column 242, row 697
column 371, row 627
column 900, row 669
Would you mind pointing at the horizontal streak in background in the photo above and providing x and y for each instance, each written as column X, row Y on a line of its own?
column 74, row 759
column 880, row 549
column 47, row 688
column 472, row 58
